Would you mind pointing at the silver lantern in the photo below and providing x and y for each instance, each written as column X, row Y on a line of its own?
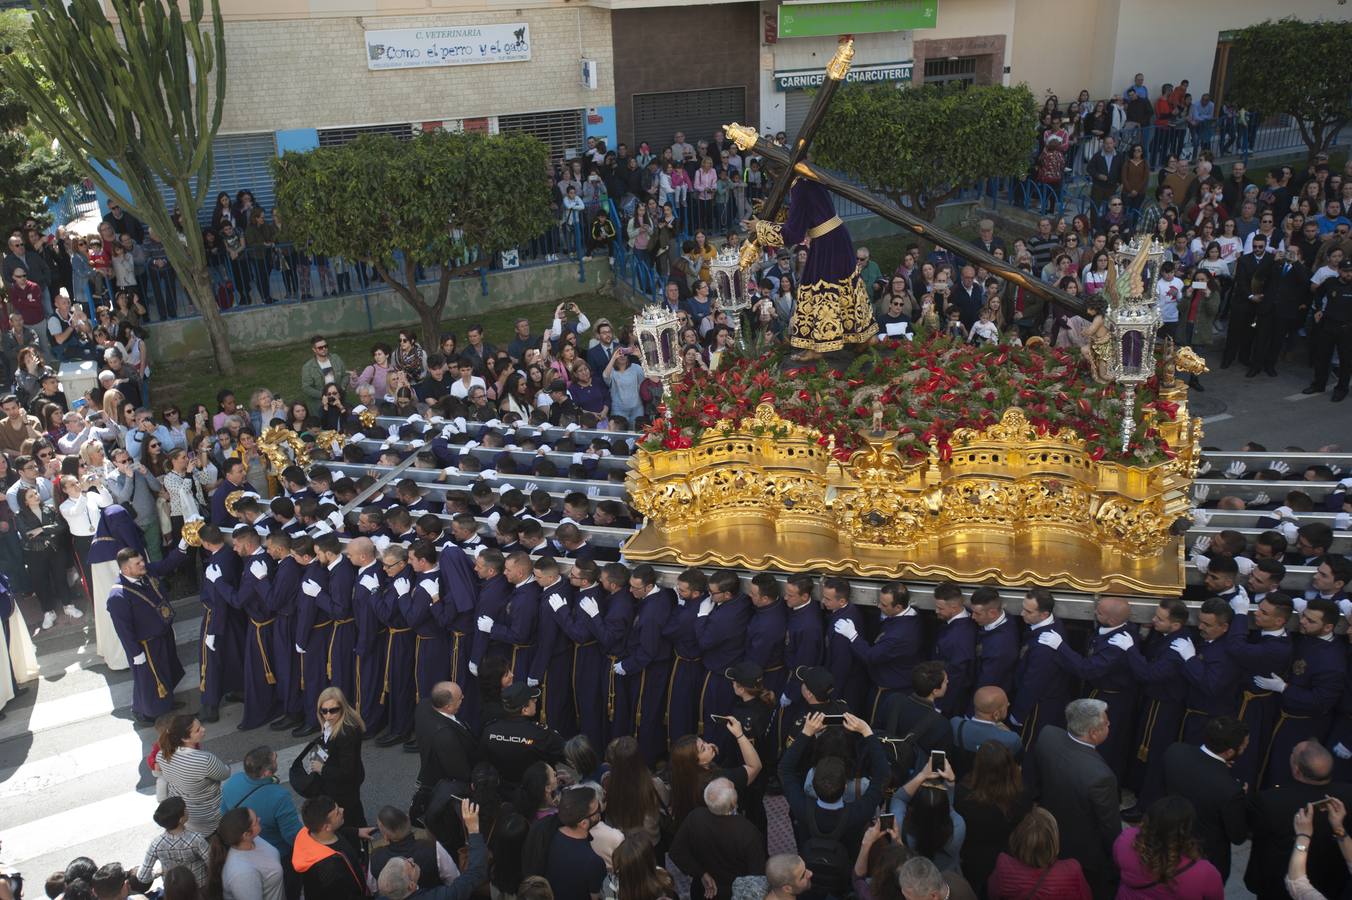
column 658, row 332
column 730, row 289
column 1133, row 321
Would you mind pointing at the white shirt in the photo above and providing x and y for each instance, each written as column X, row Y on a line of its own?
column 82, row 513
column 1167, row 295
column 460, row 391
column 1043, row 624
column 996, row 624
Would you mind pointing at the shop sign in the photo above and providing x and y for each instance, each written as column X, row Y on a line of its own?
column 855, row 17
column 878, row 72
column 451, row 45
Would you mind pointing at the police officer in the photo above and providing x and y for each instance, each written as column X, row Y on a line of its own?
column 517, row 741
column 1333, row 331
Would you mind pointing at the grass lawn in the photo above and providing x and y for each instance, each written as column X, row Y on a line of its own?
column 278, row 368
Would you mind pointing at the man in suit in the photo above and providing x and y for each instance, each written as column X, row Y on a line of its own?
column 445, row 744
column 1239, row 337
column 1273, row 833
column 1072, row 781
column 1105, row 169
column 997, row 640
column 1202, row 775
column 896, row 649
column 1289, row 289
column 955, row 647
column 968, row 296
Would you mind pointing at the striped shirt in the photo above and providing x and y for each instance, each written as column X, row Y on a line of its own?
column 186, row 849
column 196, row 776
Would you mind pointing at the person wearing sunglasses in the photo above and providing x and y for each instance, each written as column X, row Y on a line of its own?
column 321, row 369
column 335, row 759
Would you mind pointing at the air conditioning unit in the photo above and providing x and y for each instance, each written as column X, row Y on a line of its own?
column 591, row 78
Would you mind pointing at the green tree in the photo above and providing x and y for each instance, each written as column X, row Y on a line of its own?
column 31, row 170
column 142, row 99
column 441, row 199
column 920, row 144
column 1298, row 68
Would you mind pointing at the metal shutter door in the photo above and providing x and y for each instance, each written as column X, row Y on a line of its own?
column 558, row 130
column 696, row 113
column 796, row 107
column 241, row 162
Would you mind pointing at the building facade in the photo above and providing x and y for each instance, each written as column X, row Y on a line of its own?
column 313, row 73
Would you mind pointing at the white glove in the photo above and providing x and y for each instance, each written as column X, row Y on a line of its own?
column 258, row 569
column 310, row 588
column 300, row 650
column 1341, row 752
column 619, row 668
column 1271, row 683
column 845, row 628
column 485, row 624
column 401, row 586
column 1183, row 647
column 1051, row 639
column 370, row 581
column 432, row 587
column 1121, row 641
column 706, row 606
column 784, row 700
column 532, row 682
column 1280, row 466
column 1235, row 469
column 213, row 573
column 1260, row 499
column 556, row 602
column 182, row 545
column 1240, row 603
column 1200, row 517
column 1200, row 492
column 1345, row 607
column 139, row 659
column 1202, row 545
column 1205, row 467
column 1284, row 513
column 211, row 642
column 588, row 606
column 474, row 668
column 1345, row 484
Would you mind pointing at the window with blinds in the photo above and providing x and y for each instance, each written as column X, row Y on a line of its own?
column 961, row 69
column 560, row 130
column 241, row 162
column 337, row 137
column 696, row 113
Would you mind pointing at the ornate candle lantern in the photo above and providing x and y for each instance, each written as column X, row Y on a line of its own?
column 658, row 333
column 1133, row 321
column 730, row 288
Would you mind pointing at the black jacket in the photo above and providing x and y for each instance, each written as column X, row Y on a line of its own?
column 1076, row 786
column 343, row 775
column 1216, row 795
column 447, row 746
column 1270, row 815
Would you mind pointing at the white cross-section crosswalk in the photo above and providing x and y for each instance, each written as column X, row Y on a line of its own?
column 73, row 775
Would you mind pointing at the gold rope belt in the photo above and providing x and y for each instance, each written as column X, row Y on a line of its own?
column 826, row 227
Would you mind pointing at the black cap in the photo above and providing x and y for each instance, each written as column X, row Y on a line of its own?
column 818, row 680
column 557, row 385
column 746, row 673
column 516, row 695
column 1345, row 265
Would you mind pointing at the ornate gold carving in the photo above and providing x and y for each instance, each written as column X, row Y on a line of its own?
column 192, row 532
column 232, row 502
column 1039, row 495
column 367, row 417
column 839, row 66
column 1187, row 360
column 767, row 234
column 274, row 443
column 743, row 136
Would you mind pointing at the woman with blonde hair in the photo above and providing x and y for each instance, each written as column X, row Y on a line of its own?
column 113, row 401
column 335, row 757
column 1030, row 869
